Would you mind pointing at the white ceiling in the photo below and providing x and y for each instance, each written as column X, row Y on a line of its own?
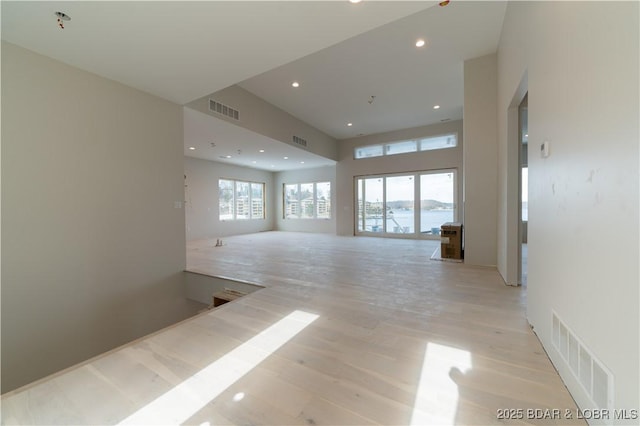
column 182, row 51
column 337, row 83
column 341, row 53
column 242, row 145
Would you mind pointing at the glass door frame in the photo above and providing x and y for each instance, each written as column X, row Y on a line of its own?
column 417, row 234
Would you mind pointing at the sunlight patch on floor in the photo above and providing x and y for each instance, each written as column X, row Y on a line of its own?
column 436, row 400
column 181, row 402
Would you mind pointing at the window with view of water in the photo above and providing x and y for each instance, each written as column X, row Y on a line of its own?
column 373, row 205
column 400, row 205
column 388, row 204
column 436, row 201
column 307, row 200
column 359, row 205
column 239, row 200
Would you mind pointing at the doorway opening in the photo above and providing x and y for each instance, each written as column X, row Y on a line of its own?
column 517, row 179
column 523, row 216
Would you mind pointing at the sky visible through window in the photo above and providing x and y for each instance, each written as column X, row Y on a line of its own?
column 439, row 187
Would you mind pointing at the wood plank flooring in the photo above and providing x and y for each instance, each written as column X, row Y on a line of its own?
column 384, row 309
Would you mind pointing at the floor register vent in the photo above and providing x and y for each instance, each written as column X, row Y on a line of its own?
column 223, row 109
column 595, row 378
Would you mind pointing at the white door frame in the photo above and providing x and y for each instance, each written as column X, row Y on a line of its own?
column 514, row 196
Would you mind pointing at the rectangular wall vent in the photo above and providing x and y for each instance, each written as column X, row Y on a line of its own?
column 299, row 141
column 595, row 378
column 223, row 109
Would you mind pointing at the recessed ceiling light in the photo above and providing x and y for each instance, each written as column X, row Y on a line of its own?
column 286, row 158
column 349, row 124
column 436, row 107
column 262, row 150
column 302, row 162
column 192, row 148
column 295, row 84
column 355, row 1
column 227, row 156
column 420, row 42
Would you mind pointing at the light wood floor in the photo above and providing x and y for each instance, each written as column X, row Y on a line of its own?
column 382, row 307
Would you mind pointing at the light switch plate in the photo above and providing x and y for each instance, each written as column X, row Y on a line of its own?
column 544, row 149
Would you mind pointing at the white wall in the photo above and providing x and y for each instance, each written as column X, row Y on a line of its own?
column 201, row 199
column 480, row 161
column 266, row 119
column 581, row 59
column 347, row 168
column 320, row 174
column 92, row 246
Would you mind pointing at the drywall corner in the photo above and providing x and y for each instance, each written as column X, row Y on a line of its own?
column 480, row 160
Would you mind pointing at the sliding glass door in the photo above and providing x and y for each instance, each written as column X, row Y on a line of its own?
column 372, row 208
column 437, row 201
column 389, row 204
column 400, row 207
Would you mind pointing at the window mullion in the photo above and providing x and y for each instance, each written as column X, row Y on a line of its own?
column 315, row 200
column 384, row 205
column 417, row 203
column 299, row 201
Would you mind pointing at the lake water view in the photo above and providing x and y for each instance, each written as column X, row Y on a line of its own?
column 402, row 221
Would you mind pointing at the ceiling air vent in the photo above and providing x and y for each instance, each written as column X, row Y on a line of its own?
column 299, row 141
column 223, row 109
